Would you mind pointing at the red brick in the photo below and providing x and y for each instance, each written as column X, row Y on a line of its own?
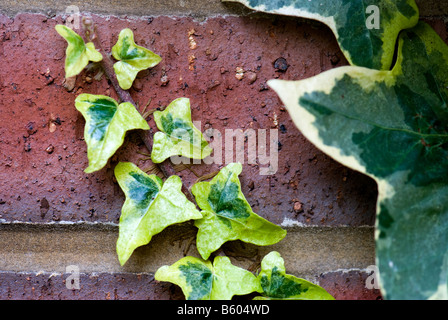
column 349, row 285
column 101, row 286
column 31, row 91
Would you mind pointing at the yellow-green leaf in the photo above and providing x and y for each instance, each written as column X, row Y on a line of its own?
column 106, row 126
column 78, row 53
column 178, row 136
column 150, row 207
column 132, row 59
column 276, row 284
column 228, row 216
column 200, row 280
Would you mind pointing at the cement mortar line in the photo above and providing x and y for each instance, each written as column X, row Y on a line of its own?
column 189, row 8
column 99, row 273
column 287, row 224
column 51, row 248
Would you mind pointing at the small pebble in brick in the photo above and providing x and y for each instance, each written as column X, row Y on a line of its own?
column 281, row 65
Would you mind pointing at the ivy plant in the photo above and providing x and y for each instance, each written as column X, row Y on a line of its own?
column 364, row 45
column 228, row 216
column 106, row 125
column 132, row 58
column 78, row 53
column 276, row 284
column 202, row 280
column 178, row 136
column 151, row 205
column 392, row 126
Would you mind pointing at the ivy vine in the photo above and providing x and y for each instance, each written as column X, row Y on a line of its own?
column 151, row 204
column 384, row 118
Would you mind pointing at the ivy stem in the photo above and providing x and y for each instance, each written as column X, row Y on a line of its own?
column 108, row 65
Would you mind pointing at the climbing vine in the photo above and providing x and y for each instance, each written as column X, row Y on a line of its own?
column 384, row 117
column 152, row 204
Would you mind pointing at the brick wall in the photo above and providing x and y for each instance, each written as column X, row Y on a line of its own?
column 56, row 219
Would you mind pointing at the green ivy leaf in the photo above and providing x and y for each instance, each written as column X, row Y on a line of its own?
column 150, row 207
column 78, row 54
column 178, row 135
column 276, row 284
column 106, row 126
column 361, row 44
column 133, row 59
column 228, row 216
column 392, row 126
column 200, row 280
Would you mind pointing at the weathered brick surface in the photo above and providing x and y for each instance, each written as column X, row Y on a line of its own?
column 126, row 286
column 196, row 8
column 101, row 286
column 349, row 285
column 43, row 154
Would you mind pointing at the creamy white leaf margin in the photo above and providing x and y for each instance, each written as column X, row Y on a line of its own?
column 291, row 91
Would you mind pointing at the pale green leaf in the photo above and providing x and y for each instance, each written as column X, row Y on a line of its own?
column 106, row 126
column 150, row 207
column 366, row 35
column 78, row 54
column 132, row 59
column 276, row 284
column 200, row 280
column 178, row 136
column 228, row 216
column 392, row 126
column 92, row 53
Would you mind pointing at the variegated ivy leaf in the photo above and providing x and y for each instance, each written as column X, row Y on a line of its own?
column 200, row 280
column 366, row 30
column 132, row 59
column 228, row 216
column 106, row 126
column 276, row 284
column 392, row 126
column 150, row 207
column 78, row 53
column 178, row 135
